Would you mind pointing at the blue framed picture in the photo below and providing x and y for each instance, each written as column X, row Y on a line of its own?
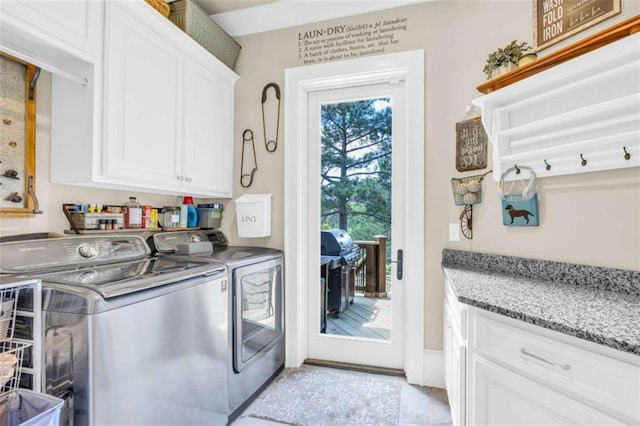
column 516, row 211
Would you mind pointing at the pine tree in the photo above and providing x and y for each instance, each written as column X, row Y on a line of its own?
column 356, row 167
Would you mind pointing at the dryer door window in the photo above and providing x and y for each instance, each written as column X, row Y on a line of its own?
column 258, row 311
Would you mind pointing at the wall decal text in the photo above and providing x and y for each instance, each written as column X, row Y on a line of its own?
column 339, row 42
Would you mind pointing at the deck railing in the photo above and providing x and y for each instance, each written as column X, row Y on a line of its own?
column 371, row 276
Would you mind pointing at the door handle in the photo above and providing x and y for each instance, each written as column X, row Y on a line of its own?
column 399, row 264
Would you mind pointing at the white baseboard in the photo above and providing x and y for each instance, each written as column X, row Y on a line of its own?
column 434, row 369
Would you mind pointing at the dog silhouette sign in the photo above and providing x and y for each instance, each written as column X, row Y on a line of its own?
column 518, row 211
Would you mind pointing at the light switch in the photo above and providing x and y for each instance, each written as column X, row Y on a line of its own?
column 454, row 232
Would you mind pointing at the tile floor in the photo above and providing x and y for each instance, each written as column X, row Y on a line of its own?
column 418, row 405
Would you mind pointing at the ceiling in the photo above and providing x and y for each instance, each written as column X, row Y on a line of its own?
column 243, row 17
column 212, row 7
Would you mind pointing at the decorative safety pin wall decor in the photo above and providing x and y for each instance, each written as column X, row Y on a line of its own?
column 246, row 179
column 271, row 144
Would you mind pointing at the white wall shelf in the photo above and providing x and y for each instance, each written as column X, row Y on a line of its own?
column 587, row 108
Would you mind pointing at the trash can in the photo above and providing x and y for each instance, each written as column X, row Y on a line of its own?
column 28, row 408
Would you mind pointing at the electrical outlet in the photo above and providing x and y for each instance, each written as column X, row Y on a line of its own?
column 454, row 232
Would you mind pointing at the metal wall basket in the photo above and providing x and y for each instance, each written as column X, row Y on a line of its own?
column 468, row 190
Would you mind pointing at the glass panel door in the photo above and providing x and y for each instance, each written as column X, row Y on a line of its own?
column 357, row 139
column 356, row 193
column 258, row 312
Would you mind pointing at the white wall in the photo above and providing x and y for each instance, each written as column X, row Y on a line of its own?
column 589, row 218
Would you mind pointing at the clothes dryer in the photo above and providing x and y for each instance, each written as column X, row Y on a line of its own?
column 255, row 304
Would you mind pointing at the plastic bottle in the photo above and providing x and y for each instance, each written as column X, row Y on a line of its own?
column 133, row 214
column 184, row 215
column 192, row 213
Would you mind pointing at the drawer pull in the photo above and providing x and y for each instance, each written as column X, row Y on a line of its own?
column 539, row 358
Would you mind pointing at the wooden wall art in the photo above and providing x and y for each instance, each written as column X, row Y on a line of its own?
column 17, row 137
column 471, row 145
column 555, row 20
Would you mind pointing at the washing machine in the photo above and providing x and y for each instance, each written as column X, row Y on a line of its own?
column 128, row 338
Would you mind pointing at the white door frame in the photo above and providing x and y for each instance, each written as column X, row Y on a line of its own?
column 407, row 66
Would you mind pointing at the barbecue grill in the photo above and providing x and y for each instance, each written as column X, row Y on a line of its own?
column 337, row 246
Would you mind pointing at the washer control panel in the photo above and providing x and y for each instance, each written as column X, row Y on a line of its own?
column 58, row 253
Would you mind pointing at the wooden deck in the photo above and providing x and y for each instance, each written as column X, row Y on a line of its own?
column 365, row 317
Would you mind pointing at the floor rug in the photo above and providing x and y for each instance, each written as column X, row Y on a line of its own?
column 310, row 396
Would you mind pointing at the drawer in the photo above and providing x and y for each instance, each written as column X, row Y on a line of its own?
column 605, row 382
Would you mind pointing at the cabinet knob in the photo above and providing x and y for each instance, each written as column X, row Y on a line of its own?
column 179, row 177
column 188, row 179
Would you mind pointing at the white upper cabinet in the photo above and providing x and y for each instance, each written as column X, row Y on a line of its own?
column 142, row 94
column 60, row 36
column 167, row 112
column 579, row 116
column 207, row 130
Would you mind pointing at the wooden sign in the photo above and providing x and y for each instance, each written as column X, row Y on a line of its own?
column 555, row 20
column 471, row 145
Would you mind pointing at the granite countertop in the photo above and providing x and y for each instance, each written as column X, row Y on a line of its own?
column 601, row 305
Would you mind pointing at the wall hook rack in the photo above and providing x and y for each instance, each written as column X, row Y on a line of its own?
column 524, row 130
column 547, row 166
column 627, row 155
column 583, row 162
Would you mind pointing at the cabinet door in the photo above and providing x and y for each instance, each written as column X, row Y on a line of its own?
column 501, row 397
column 447, row 349
column 208, row 118
column 455, row 366
column 73, row 27
column 143, row 71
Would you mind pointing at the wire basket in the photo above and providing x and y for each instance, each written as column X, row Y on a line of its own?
column 8, row 300
column 11, row 355
column 467, row 190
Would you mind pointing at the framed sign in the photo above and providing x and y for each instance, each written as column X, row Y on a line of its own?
column 471, row 145
column 555, row 20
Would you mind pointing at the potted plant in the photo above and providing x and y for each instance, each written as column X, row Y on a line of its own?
column 505, row 58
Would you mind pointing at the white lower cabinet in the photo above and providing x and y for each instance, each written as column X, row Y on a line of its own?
column 519, row 373
column 498, row 396
column 165, row 122
column 503, row 371
column 455, row 356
